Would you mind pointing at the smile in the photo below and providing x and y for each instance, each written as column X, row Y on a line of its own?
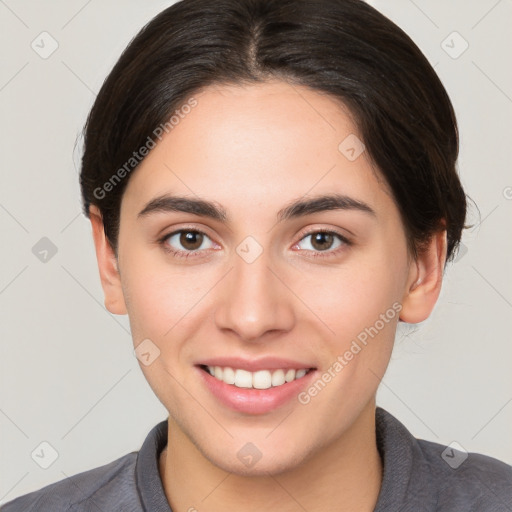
column 261, row 379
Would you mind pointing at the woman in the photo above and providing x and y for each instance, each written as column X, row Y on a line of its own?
column 271, row 186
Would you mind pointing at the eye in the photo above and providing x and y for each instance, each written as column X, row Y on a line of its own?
column 323, row 241
column 186, row 242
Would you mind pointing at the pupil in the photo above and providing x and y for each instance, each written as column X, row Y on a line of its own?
column 322, row 237
column 191, row 240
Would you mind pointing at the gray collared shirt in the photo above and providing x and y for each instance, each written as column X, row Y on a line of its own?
column 419, row 476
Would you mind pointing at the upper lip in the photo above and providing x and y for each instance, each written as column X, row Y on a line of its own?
column 254, row 365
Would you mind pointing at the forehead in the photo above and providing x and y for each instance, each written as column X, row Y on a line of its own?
column 258, row 144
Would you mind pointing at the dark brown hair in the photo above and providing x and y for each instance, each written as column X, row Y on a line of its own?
column 344, row 48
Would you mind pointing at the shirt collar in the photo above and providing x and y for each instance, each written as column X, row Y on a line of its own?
column 407, row 481
column 147, row 475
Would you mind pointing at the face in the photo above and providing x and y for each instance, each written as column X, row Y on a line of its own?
column 262, row 286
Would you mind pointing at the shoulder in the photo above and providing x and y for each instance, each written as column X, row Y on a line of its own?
column 108, row 487
column 429, row 476
column 467, row 479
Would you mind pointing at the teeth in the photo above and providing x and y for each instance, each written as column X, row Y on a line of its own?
column 300, row 373
column 262, row 379
column 290, row 375
column 278, row 378
column 243, row 379
column 228, row 376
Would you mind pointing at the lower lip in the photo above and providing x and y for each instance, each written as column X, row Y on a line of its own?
column 254, row 401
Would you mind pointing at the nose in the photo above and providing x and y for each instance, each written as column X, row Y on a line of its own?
column 254, row 300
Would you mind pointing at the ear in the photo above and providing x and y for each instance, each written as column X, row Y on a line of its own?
column 107, row 264
column 425, row 279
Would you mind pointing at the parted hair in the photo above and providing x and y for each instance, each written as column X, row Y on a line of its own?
column 343, row 48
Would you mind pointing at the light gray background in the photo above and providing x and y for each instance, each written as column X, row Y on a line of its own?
column 68, row 373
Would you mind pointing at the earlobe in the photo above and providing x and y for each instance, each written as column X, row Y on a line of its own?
column 425, row 279
column 107, row 265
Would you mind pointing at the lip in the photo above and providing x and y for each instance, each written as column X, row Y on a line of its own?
column 254, row 401
column 254, row 365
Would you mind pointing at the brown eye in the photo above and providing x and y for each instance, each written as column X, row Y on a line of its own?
column 322, row 241
column 191, row 240
column 187, row 242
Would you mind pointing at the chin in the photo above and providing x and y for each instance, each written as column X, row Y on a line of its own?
column 264, row 466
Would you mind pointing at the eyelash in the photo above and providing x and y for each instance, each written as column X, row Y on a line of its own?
column 316, row 254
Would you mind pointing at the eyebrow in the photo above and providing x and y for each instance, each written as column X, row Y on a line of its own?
column 297, row 208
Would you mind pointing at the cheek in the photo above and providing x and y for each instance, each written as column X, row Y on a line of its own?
column 362, row 311
column 354, row 297
column 164, row 300
column 357, row 306
column 161, row 304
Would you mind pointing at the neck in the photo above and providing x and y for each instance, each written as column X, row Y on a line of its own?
column 345, row 475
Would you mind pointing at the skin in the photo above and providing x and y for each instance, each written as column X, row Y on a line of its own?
column 254, row 149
